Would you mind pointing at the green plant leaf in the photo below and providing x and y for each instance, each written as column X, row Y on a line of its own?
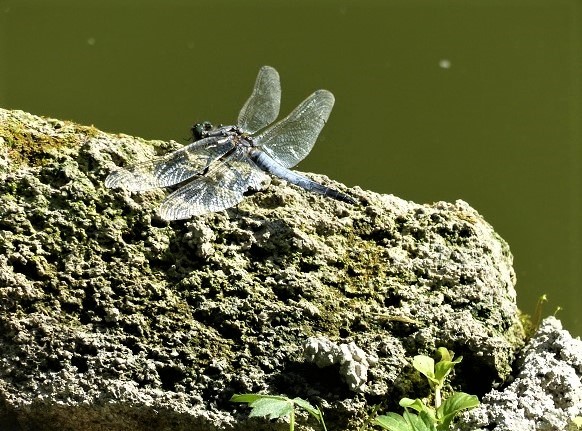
column 454, row 404
column 269, row 406
column 314, row 411
column 393, row 422
column 445, row 354
column 245, row 398
column 419, row 406
column 421, row 422
column 273, row 407
column 416, row 404
column 425, row 366
column 443, row 368
column 446, row 364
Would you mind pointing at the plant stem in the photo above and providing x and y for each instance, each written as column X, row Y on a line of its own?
column 437, row 397
column 292, row 420
column 323, row 422
column 370, row 417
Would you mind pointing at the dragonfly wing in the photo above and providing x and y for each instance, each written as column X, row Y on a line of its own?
column 262, row 107
column 222, row 187
column 170, row 169
column 292, row 138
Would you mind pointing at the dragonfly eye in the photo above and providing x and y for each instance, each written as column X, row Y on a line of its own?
column 200, row 130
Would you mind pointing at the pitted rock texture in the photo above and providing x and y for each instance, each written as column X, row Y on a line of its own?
column 111, row 318
column 353, row 361
column 546, row 393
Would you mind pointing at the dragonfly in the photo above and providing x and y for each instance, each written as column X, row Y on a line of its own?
column 225, row 162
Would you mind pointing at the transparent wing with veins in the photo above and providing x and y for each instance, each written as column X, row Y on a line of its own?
column 221, row 166
column 221, row 187
column 292, row 138
column 262, row 107
column 178, row 166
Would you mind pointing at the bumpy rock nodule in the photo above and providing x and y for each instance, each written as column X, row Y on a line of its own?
column 114, row 319
column 354, row 362
column 546, row 393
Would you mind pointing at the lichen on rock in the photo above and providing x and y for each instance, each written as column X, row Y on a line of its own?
column 113, row 318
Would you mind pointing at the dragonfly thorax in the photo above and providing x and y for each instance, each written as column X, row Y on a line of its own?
column 235, row 134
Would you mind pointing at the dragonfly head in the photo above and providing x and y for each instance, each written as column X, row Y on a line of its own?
column 200, row 130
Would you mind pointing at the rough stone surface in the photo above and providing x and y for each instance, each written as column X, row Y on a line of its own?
column 353, row 361
column 111, row 318
column 546, row 393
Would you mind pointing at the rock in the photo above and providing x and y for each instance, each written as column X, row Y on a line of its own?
column 546, row 393
column 112, row 318
column 354, row 362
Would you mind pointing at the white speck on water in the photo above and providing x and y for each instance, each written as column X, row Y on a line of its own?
column 445, row 64
column 91, row 41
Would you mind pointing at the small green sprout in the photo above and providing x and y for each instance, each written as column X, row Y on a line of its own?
column 274, row 407
column 417, row 416
column 430, row 418
column 532, row 323
column 576, row 422
column 537, row 316
column 436, row 373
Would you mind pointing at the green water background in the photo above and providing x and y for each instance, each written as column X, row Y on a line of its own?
column 435, row 100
